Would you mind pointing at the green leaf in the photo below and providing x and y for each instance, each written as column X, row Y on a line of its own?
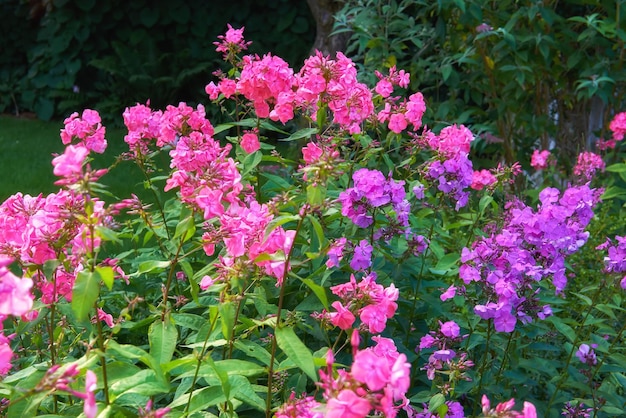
column 163, row 337
column 250, row 162
column 302, row 133
column 200, row 399
column 617, row 168
column 296, row 351
column 107, row 275
column 563, row 328
column 144, row 382
column 254, row 350
column 315, row 194
column 227, row 314
column 152, row 266
column 436, row 402
column 85, row 293
column 185, row 229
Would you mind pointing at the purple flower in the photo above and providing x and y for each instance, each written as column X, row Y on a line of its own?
column 587, row 355
column 362, row 258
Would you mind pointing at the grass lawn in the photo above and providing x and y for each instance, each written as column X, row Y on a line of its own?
column 28, row 146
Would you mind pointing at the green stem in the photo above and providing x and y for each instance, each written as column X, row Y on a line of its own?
column 200, row 357
column 270, row 373
column 170, row 277
column 563, row 375
column 483, row 365
column 504, row 357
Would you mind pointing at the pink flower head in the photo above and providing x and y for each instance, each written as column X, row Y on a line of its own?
column 70, row 163
column 587, row 165
column 15, row 296
column 311, row 153
column 482, row 179
column 231, row 43
column 448, row 294
column 90, row 408
column 618, row 126
column 105, row 317
column 348, row 404
column 343, row 318
column 540, row 159
column 452, row 140
column 250, row 142
column 87, row 129
column 370, row 369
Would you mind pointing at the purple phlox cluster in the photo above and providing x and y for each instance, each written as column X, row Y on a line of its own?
column 455, row 410
column 453, row 176
column 530, row 246
column 615, row 260
column 578, row 410
column 587, row 355
column 372, row 190
column 587, row 164
column 443, row 340
column 371, row 302
column 378, row 381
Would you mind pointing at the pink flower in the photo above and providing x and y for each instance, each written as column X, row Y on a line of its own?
column 206, row 282
column 70, row 163
column 587, row 165
column 250, row 142
column 90, row 408
column 540, row 159
column 228, row 87
column 482, row 179
column 343, row 318
column 15, row 296
column 618, row 126
column 384, row 88
column 397, row 123
column 6, row 354
column 448, row 294
column 105, row 317
column 311, row 153
column 370, row 369
column 348, row 404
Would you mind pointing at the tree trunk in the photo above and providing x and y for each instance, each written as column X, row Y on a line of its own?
column 324, row 11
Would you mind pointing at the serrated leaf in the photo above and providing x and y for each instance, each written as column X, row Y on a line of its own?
column 296, row 351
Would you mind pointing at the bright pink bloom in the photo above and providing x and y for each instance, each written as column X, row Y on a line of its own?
column 6, row 354
column 87, row 129
column 450, row 329
column 397, row 123
column 348, row 404
column 618, row 126
column 90, row 408
column 448, row 294
column 15, row 296
column 384, row 88
column 70, row 163
column 343, row 318
column 227, row 86
column 587, row 165
column 482, row 179
column 452, row 140
column 250, row 142
column 540, row 159
column 371, row 370
column 311, row 153
column 105, row 317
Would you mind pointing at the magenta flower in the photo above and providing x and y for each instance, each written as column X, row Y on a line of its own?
column 540, row 159
column 90, row 408
column 450, row 329
column 618, row 126
column 250, row 142
column 348, row 404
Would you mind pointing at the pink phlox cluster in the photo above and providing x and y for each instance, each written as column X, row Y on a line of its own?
column 587, row 164
column 34, row 230
column 455, row 410
column 529, row 247
column 482, row 179
column 321, row 160
column 335, row 252
column 300, row 407
column 378, row 381
column 268, row 83
column 250, row 141
column 231, row 43
column 451, row 141
column 618, row 126
column 243, row 232
column 505, row 409
column 144, row 127
column 399, row 115
column 324, row 81
column 453, row 176
column 86, row 130
column 385, row 84
column 371, row 302
column 372, row 190
column 540, row 160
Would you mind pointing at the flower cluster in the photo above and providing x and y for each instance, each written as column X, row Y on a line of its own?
column 231, row 43
column 371, row 302
column 540, row 160
column 378, row 381
column 505, row 409
column 447, row 337
column 372, row 190
column 529, row 247
column 615, row 260
column 618, row 126
column 587, row 164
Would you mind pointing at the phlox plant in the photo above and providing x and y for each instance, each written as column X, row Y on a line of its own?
column 375, row 274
